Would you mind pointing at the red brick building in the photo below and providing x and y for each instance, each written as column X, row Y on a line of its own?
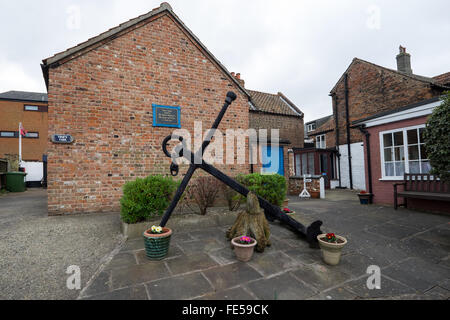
column 103, row 93
column 30, row 109
column 366, row 89
column 394, row 145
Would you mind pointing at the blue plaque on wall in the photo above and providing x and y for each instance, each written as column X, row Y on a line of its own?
column 166, row 116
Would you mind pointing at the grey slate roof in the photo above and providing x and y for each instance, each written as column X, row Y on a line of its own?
column 24, row 96
column 320, row 121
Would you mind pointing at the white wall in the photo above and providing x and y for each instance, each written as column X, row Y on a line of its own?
column 34, row 170
column 358, row 166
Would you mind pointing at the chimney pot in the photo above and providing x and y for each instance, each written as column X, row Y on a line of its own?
column 233, row 74
column 238, row 75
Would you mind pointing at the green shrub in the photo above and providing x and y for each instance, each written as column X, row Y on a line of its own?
column 271, row 187
column 437, row 139
column 146, row 198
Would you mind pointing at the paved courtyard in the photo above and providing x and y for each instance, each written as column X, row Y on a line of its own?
column 411, row 248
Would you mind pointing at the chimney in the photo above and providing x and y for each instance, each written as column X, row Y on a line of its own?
column 404, row 61
column 238, row 78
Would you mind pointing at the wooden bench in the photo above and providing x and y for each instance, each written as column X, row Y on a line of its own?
column 421, row 186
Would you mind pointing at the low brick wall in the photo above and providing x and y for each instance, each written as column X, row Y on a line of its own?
column 295, row 186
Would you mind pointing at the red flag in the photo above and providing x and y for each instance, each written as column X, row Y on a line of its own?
column 22, row 132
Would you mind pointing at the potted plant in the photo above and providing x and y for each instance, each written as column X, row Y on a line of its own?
column 244, row 247
column 331, row 246
column 364, row 197
column 157, row 241
column 315, row 194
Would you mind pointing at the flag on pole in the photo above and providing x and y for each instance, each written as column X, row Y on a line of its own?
column 22, row 130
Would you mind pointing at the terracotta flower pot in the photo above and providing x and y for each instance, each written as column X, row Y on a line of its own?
column 244, row 252
column 315, row 194
column 331, row 251
column 157, row 245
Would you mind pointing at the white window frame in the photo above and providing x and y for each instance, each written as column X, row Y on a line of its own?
column 405, row 150
column 321, row 139
column 309, row 127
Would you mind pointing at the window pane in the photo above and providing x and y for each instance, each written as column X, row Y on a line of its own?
column 7, row 134
column 304, row 164
column 297, row 165
column 412, row 137
column 413, row 153
column 421, row 131
column 387, row 140
column 32, row 135
column 426, row 167
column 389, row 167
column 398, row 138
column 388, row 154
column 423, row 152
column 399, row 153
column 311, row 163
column 399, row 168
column 414, row 167
column 31, row 108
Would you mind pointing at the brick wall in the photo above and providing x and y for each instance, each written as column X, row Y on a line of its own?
column 296, row 185
column 373, row 90
column 291, row 128
column 12, row 113
column 103, row 98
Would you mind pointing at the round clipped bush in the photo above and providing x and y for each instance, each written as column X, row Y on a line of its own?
column 146, row 198
column 271, row 187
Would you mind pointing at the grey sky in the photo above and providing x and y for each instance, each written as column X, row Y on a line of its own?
column 298, row 47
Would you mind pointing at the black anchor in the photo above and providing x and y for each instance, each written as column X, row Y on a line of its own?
column 271, row 212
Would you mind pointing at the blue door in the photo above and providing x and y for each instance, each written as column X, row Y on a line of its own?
column 272, row 160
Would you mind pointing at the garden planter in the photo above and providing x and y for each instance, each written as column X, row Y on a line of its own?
column 365, row 198
column 157, row 245
column 244, row 252
column 331, row 251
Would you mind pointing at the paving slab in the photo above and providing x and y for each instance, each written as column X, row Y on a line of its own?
column 417, row 273
column 237, row 294
column 394, row 231
column 121, row 260
column 389, row 288
column 132, row 293
column 195, row 246
column 136, row 274
column 191, row 263
column 270, row 264
column 334, row 294
column 179, row 288
column 282, row 287
column 321, row 277
column 232, row 275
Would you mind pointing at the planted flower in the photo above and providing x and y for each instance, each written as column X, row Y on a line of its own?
column 331, row 246
column 156, row 230
column 245, row 240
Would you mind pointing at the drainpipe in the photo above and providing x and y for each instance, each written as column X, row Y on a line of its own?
column 336, row 120
column 348, row 133
column 366, row 133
